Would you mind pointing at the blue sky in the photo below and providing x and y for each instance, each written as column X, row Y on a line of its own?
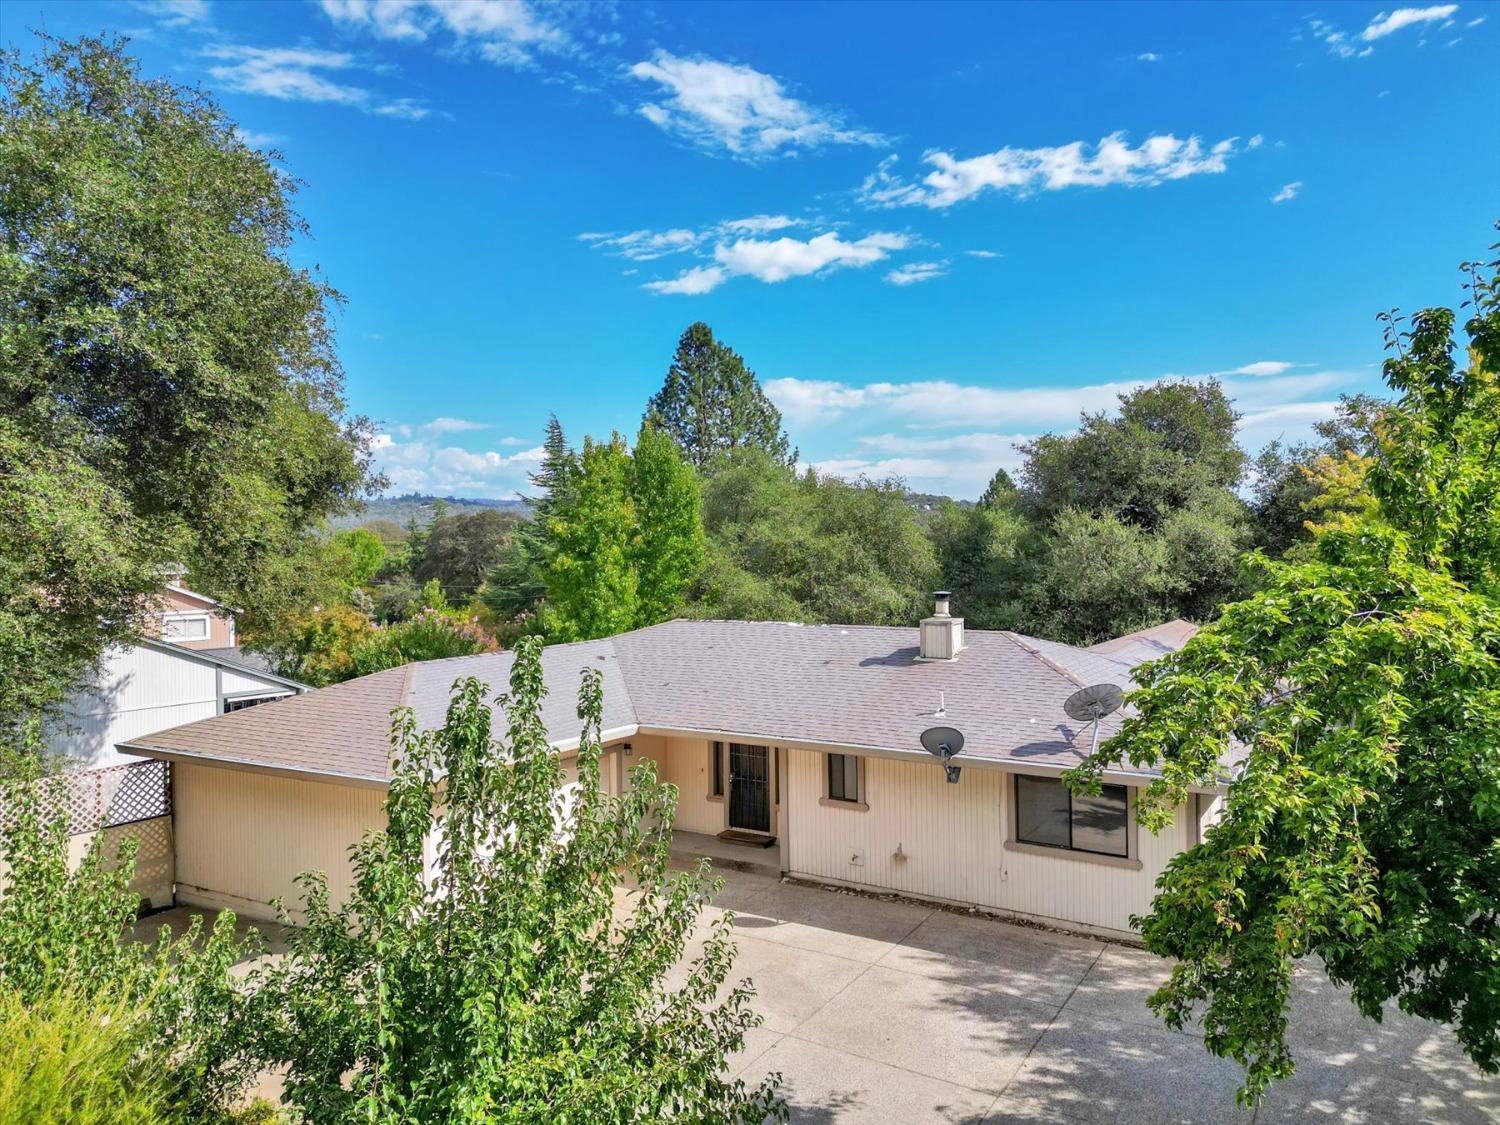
column 932, row 230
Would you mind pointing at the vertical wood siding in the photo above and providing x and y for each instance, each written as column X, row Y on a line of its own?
column 685, row 763
column 922, row 836
column 242, row 838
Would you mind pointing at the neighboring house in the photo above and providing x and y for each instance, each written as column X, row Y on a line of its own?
column 140, row 688
column 805, row 735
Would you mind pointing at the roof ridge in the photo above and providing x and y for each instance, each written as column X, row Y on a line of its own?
column 1015, row 638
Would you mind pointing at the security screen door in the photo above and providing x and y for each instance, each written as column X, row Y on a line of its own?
column 749, row 787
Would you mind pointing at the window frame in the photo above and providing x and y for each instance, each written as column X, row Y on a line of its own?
column 858, row 799
column 244, row 701
column 717, row 774
column 183, row 618
column 1128, row 856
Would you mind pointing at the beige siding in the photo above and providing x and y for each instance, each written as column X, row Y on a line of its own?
column 924, row 837
column 685, row 763
column 154, row 874
column 242, row 838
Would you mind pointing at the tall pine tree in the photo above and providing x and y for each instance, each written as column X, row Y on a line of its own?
column 712, row 403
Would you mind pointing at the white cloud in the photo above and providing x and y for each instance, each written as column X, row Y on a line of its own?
column 177, row 13
column 1255, row 142
column 293, row 74
column 1148, row 56
column 778, row 259
column 1338, row 42
column 699, row 279
column 983, row 254
column 416, row 466
column 1476, row 21
column 956, row 465
column 915, row 272
column 648, row 245
column 1023, row 171
column 722, row 106
column 1260, row 367
column 507, row 32
column 940, row 403
column 257, row 140
column 645, row 245
column 904, row 422
column 454, row 426
column 759, row 224
column 1388, row 22
column 1287, row 192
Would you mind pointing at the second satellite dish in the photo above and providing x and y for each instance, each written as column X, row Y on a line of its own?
column 943, row 743
column 1090, row 704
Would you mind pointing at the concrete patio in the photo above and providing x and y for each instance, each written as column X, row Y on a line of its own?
column 890, row 1011
column 884, row 1011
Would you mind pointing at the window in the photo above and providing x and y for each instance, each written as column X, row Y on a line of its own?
column 843, row 777
column 716, row 751
column 184, row 628
column 247, row 701
column 1047, row 813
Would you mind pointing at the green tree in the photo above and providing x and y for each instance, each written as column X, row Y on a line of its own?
column 517, row 582
column 359, row 553
column 810, row 548
column 1171, row 444
column 62, row 958
column 495, row 980
column 711, row 403
column 169, row 390
column 1294, row 484
column 980, row 552
column 669, row 525
column 1362, row 685
column 592, row 585
column 461, row 550
column 1000, row 492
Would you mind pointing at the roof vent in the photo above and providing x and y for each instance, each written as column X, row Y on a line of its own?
column 942, row 634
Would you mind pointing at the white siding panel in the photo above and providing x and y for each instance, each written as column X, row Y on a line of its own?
column 91, row 738
column 925, row 837
column 237, row 683
column 242, row 838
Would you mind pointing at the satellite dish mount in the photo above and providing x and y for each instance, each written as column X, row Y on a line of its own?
column 1090, row 704
column 943, row 743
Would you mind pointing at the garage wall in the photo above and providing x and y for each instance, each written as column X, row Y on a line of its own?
column 242, row 838
column 922, row 836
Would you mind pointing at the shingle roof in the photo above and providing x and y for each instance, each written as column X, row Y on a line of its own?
column 854, row 686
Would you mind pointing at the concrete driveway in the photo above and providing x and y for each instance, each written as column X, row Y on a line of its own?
column 889, row 1011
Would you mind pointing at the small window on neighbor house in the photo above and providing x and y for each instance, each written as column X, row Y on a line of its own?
column 250, row 701
column 184, row 628
column 1048, row 813
column 716, row 751
column 843, row 777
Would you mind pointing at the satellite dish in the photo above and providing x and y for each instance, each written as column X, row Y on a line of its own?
column 943, row 743
column 1090, row 704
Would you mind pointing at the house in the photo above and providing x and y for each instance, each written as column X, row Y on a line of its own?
column 802, row 738
column 189, row 667
column 186, row 666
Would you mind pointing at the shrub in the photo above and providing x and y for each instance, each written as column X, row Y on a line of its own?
column 69, row 1058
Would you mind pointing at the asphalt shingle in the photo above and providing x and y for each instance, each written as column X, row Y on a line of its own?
column 856, row 686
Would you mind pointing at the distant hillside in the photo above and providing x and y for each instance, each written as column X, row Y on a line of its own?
column 400, row 509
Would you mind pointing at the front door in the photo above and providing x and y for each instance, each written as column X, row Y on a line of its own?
column 749, row 787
